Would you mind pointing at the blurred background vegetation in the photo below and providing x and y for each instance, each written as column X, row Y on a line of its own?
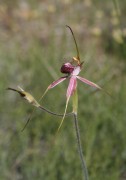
column 34, row 43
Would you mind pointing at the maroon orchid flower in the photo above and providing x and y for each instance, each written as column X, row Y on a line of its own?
column 72, row 72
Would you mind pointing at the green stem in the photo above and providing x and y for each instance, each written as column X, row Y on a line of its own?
column 84, row 167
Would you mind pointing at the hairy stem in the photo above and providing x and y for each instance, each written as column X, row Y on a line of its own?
column 84, row 167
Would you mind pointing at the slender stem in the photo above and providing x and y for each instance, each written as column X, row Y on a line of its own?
column 84, row 167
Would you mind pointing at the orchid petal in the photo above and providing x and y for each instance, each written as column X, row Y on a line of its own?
column 55, row 83
column 88, row 82
column 70, row 90
column 52, row 85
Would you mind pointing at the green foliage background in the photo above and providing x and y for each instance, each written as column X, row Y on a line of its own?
column 34, row 44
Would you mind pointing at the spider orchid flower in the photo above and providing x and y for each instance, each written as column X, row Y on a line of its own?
column 72, row 73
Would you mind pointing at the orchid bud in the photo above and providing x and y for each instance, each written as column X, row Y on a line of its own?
column 67, row 68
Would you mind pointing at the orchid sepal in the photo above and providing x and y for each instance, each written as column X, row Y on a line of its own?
column 90, row 83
